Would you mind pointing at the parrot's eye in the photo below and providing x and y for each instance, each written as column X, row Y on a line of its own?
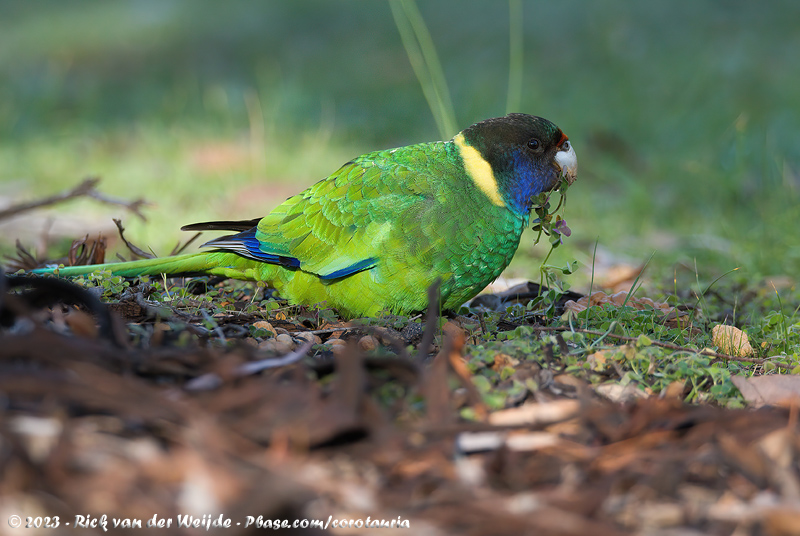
column 534, row 144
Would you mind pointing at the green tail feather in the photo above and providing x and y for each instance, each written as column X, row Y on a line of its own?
column 193, row 263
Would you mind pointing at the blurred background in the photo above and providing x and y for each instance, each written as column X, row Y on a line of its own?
column 685, row 116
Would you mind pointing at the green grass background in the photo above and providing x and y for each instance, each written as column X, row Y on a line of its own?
column 685, row 115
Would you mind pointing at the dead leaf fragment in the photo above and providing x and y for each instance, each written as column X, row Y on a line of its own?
column 782, row 521
column 616, row 300
column 768, row 390
column 731, row 340
column 81, row 324
column 620, row 393
column 502, row 361
column 599, row 359
column 535, row 413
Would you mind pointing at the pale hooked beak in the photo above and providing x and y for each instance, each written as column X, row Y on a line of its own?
column 567, row 161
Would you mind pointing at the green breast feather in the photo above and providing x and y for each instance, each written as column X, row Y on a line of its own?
column 374, row 235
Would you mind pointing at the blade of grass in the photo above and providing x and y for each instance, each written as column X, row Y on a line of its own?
column 784, row 330
column 701, row 297
column 515, row 65
column 634, row 288
column 423, row 58
column 591, row 283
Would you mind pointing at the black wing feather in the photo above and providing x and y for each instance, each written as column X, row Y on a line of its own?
column 241, row 225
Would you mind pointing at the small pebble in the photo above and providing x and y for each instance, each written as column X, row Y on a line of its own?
column 367, row 343
column 337, row 346
column 286, row 339
column 308, row 337
column 263, row 324
column 268, row 345
column 272, row 345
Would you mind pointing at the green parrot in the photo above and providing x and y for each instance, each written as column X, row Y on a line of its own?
column 374, row 235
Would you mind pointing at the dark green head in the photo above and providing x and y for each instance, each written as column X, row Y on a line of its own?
column 516, row 157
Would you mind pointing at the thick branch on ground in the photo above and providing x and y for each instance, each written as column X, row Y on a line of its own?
column 84, row 189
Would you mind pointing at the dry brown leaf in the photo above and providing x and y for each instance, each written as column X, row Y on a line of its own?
column 452, row 329
column 782, row 521
column 503, row 360
column 533, row 413
column 599, row 360
column 731, row 340
column 620, row 393
column 768, row 390
column 601, row 298
column 82, row 324
column 621, row 276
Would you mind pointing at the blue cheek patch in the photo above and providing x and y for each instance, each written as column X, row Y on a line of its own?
column 526, row 181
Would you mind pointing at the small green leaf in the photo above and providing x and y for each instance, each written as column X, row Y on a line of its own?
column 507, row 372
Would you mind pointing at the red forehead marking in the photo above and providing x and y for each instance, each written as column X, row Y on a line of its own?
column 562, row 140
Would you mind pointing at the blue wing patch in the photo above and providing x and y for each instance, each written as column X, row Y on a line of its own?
column 360, row 266
column 247, row 245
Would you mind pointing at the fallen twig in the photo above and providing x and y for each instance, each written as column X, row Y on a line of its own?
column 210, row 381
column 84, row 189
column 431, row 321
column 179, row 248
column 24, row 259
column 133, row 249
column 81, row 254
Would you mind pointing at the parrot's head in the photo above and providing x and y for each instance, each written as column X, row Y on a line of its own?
column 516, row 157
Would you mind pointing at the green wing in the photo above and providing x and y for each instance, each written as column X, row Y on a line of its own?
column 347, row 222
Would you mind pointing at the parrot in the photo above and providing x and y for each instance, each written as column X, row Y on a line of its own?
column 373, row 236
